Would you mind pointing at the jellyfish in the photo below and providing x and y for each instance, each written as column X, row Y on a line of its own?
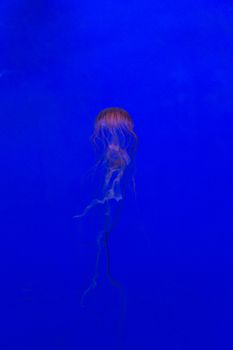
column 116, row 141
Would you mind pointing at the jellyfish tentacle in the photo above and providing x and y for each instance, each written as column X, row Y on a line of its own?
column 96, row 274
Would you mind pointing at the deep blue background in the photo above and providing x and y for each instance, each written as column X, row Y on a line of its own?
column 169, row 63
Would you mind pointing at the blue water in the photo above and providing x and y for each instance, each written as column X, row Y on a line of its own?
column 169, row 64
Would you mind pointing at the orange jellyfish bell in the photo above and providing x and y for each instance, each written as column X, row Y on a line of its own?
column 114, row 117
column 114, row 130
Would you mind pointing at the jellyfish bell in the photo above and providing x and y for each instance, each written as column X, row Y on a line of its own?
column 113, row 132
column 114, row 117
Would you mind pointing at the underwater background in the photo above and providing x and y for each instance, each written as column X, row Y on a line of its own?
column 169, row 64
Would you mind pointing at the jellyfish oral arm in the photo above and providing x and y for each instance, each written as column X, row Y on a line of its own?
column 112, row 191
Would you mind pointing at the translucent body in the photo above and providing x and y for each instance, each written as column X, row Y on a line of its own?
column 113, row 133
column 116, row 142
